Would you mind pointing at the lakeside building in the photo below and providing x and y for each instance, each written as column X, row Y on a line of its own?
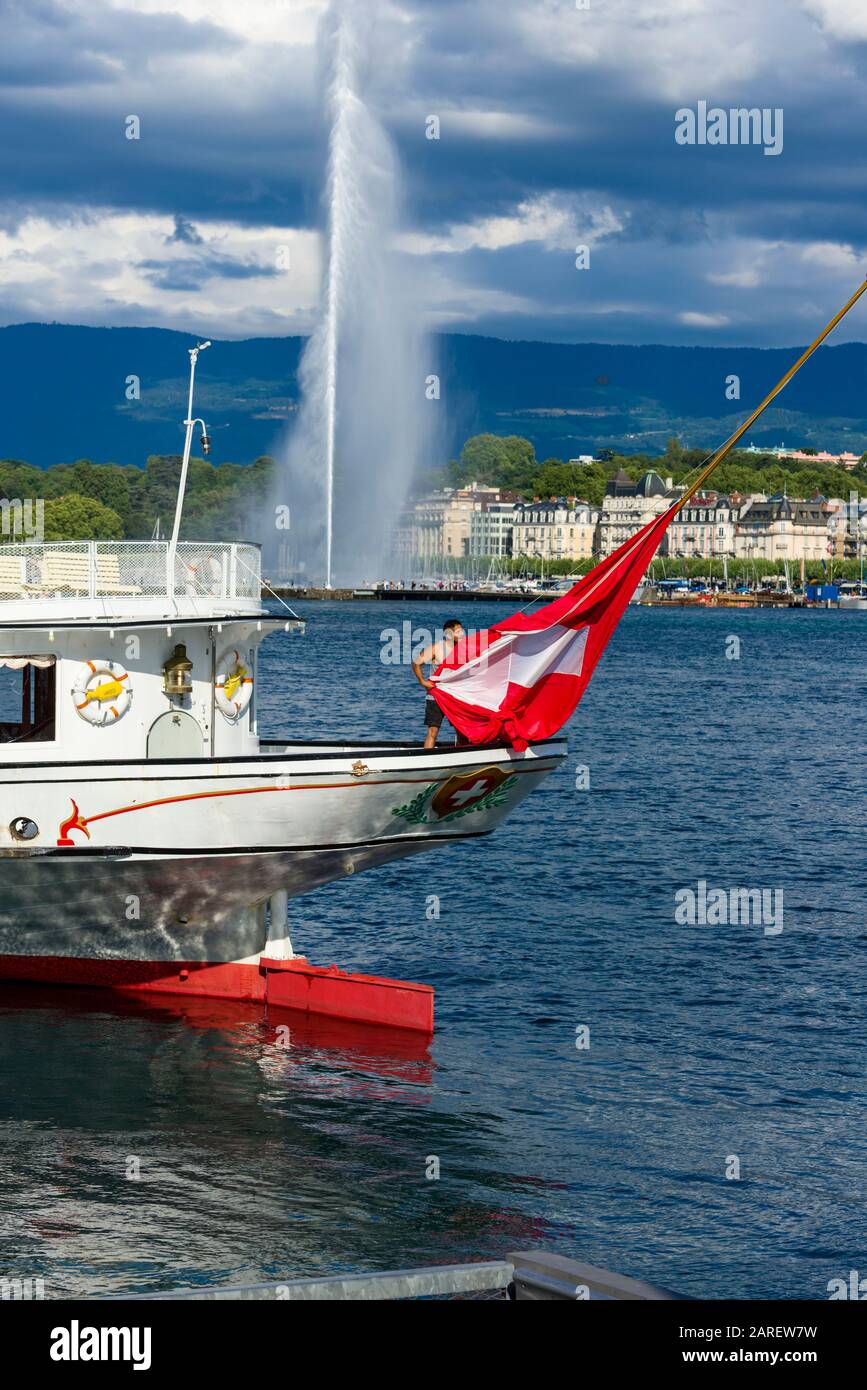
column 706, row 526
column 482, row 522
column 767, row 528
column 488, row 522
column 491, row 527
column 440, row 524
column 784, row 528
column 845, row 460
column 561, row 528
column 847, row 527
column 628, row 505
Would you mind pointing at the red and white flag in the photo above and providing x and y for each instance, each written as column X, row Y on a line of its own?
column 522, row 679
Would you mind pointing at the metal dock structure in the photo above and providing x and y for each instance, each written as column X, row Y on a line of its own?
column 526, row 1275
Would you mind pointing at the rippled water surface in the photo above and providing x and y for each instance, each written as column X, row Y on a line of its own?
column 707, row 1043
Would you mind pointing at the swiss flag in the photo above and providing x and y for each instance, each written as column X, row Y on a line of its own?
column 523, row 679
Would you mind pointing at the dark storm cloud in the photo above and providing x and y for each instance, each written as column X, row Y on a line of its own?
column 611, row 136
column 584, row 111
column 49, row 45
column 192, row 272
column 193, row 164
column 184, row 231
column 69, row 79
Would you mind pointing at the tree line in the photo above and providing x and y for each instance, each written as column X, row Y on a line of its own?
column 510, row 462
column 111, row 501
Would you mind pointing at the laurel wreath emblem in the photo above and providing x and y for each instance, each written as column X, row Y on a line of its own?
column 415, row 811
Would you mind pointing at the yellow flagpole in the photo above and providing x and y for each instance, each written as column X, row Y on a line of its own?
column 721, row 452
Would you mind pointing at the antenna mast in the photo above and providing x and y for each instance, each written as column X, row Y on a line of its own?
column 206, row 449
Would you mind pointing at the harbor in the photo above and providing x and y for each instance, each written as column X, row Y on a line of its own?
column 273, row 1144
column 431, row 869
column 680, row 594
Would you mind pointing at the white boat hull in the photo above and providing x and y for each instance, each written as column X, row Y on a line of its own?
column 162, row 863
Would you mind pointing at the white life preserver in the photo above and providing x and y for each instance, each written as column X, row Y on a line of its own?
column 102, row 693
column 233, row 687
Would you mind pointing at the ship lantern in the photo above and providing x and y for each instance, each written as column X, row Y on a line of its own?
column 177, row 670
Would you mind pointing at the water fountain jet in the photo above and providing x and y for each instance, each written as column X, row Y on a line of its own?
column 357, row 436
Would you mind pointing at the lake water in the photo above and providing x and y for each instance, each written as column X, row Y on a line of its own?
column 708, row 1044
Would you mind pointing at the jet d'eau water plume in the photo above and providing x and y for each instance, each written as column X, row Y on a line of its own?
column 356, row 441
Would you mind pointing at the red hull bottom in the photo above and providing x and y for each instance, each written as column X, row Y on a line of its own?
column 289, row 984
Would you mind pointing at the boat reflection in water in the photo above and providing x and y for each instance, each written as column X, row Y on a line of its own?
column 176, row 1140
column 173, row 1142
column 282, row 1042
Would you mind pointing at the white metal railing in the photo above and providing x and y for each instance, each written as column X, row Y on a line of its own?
column 128, row 570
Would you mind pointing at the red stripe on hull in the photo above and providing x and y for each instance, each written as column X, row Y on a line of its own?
column 289, row 984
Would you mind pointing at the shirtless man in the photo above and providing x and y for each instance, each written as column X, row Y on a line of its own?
column 433, row 656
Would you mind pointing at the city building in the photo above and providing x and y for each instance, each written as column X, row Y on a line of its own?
column 627, row 506
column 440, row 524
column 706, row 526
column 561, row 528
column 845, row 460
column 785, row 528
column 481, row 522
column 847, row 527
column 491, row 527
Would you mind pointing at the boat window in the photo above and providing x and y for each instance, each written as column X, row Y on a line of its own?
column 27, row 698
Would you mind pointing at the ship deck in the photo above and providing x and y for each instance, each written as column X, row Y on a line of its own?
column 77, row 582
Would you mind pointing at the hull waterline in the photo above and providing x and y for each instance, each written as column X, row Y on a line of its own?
column 186, row 909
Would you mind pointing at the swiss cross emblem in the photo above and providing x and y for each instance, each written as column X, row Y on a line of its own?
column 482, row 790
column 460, row 793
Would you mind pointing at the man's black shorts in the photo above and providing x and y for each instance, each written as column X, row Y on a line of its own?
column 433, row 715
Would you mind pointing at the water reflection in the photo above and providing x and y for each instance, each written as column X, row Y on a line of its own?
column 176, row 1141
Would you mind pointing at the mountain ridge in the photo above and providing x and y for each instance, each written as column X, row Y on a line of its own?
column 64, row 393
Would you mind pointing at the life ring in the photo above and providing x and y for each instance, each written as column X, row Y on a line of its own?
column 106, row 701
column 233, row 687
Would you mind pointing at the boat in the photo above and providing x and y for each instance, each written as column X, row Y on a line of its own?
column 853, row 594
column 150, row 836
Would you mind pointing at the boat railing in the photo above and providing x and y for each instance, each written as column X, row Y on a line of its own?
column 531, row 1276
column 129, row 570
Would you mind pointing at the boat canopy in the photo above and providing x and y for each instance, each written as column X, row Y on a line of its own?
column 15, row 663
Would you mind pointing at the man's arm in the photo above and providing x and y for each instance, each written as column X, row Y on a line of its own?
column 425, row 658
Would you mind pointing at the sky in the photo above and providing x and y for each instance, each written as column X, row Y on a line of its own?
column 557, row 125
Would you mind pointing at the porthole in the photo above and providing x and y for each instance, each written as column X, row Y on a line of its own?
column 23, row 828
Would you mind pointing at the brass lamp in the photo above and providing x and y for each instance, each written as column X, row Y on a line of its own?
column 177, row 679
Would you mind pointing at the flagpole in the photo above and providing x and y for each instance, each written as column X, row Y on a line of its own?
column 552, row 715
column 721, row 452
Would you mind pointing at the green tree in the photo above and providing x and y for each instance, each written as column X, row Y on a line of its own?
column 77, row 518
column 153, row 495
column 108, row 483
column 495, row 458
column 22, row 480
